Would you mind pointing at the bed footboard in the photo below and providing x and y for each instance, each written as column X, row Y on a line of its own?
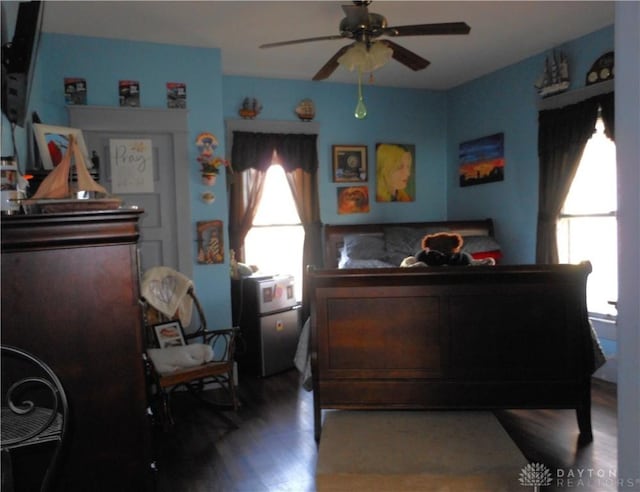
column 452, row 337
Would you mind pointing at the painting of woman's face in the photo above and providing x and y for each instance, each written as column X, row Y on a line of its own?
column 399, row 176
column 394, row 173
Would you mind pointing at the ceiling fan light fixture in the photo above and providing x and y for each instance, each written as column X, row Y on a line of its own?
column 359, row 57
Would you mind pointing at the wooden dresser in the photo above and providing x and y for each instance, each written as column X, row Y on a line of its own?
column 70, row 296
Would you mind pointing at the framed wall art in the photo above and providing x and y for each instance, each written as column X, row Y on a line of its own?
column 349, row 163
column 210, row 242
column 353, row 199
column 169, row 334
column 395, row 172
column 482, row 160
column 53, row 142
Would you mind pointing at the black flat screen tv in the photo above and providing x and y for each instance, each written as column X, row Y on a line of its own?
column 18, row 61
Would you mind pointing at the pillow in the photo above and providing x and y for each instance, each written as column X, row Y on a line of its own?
column 171, row 359
column 481, row 247
column 374, row 263
column 404, row 241
column 363, row 247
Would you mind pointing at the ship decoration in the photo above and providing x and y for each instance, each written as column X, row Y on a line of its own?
column 555, row 76
column 250, row 108
column 57, row 192
column 305, row 110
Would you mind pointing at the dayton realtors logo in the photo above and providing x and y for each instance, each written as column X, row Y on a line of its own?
column 535, row 475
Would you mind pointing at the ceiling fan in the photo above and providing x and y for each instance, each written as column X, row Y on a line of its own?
column 366, row 27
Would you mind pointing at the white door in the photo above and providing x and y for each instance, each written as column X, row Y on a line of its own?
column 163, row 240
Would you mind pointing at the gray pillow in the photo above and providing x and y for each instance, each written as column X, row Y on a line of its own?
column 363, row 247
column 351, row 263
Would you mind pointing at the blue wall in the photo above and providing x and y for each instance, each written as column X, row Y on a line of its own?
column 103, row 63
column 505, row 101
column 394, row 115
column 436, row 122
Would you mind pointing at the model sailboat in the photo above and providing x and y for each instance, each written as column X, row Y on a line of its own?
column 56, row 193
column 555, row 76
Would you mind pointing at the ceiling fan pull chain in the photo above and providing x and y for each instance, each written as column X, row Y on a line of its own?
column 361, row 109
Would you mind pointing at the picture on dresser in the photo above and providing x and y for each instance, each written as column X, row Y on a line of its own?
column 53, row 142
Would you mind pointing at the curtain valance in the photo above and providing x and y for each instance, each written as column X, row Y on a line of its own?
column 255, row 151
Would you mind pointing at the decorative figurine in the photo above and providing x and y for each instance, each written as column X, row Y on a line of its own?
column 207, row 144
column 555, row 76
column 251, row 108
column 208, row 197
column 601, row 70
column 306, row 110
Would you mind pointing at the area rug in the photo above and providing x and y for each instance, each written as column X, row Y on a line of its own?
column 444, row 451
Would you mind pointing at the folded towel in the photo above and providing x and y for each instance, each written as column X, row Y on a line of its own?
column 171, row 359
column 166, row 290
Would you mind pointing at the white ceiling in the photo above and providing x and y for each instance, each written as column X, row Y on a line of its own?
column 502, row 33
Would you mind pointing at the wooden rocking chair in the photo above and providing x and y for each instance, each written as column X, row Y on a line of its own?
column 219, row 371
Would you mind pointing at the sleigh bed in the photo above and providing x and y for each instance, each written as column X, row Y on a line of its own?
column 467, row 337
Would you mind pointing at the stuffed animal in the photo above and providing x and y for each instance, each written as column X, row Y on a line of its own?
column 441, row 249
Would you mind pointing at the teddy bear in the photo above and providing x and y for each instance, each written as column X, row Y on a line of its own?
column 441, row 249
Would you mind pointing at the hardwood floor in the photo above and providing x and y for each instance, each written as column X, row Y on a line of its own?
column 273, row 448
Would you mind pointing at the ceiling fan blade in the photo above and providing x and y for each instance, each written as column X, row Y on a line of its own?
column 429, row 29
column 298, row 41
column 406, row 57
column 331, row 65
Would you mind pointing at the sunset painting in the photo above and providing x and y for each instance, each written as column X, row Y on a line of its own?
column 482, row 160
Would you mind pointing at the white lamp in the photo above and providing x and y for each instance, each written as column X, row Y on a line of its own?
column 365, row 58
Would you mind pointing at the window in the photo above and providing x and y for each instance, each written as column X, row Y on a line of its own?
column 275, row 241
column 587, row 228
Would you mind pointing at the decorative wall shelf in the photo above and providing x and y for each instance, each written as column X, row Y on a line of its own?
column 575, row 96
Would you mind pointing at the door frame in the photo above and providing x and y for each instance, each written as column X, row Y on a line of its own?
column 151, row 120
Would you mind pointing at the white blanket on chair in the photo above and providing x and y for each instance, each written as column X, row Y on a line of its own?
column 171, row 359
column 166, row 290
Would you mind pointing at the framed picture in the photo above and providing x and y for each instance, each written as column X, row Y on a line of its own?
column 349, row 163
column 210, row 242
column 395, row 172
column 482, row 160
column 353, row 199
column 53, row 142
column 169, row 334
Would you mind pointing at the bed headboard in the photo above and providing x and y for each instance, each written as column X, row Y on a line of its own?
column 333, row 235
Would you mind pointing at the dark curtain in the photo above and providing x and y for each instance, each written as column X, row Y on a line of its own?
column 562, row 136
column 304, row 187
column 241, row 211
column 607, row 112
column 255, row 151
column 298, row 155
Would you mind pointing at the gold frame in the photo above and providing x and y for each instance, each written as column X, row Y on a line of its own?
column 341, row 171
